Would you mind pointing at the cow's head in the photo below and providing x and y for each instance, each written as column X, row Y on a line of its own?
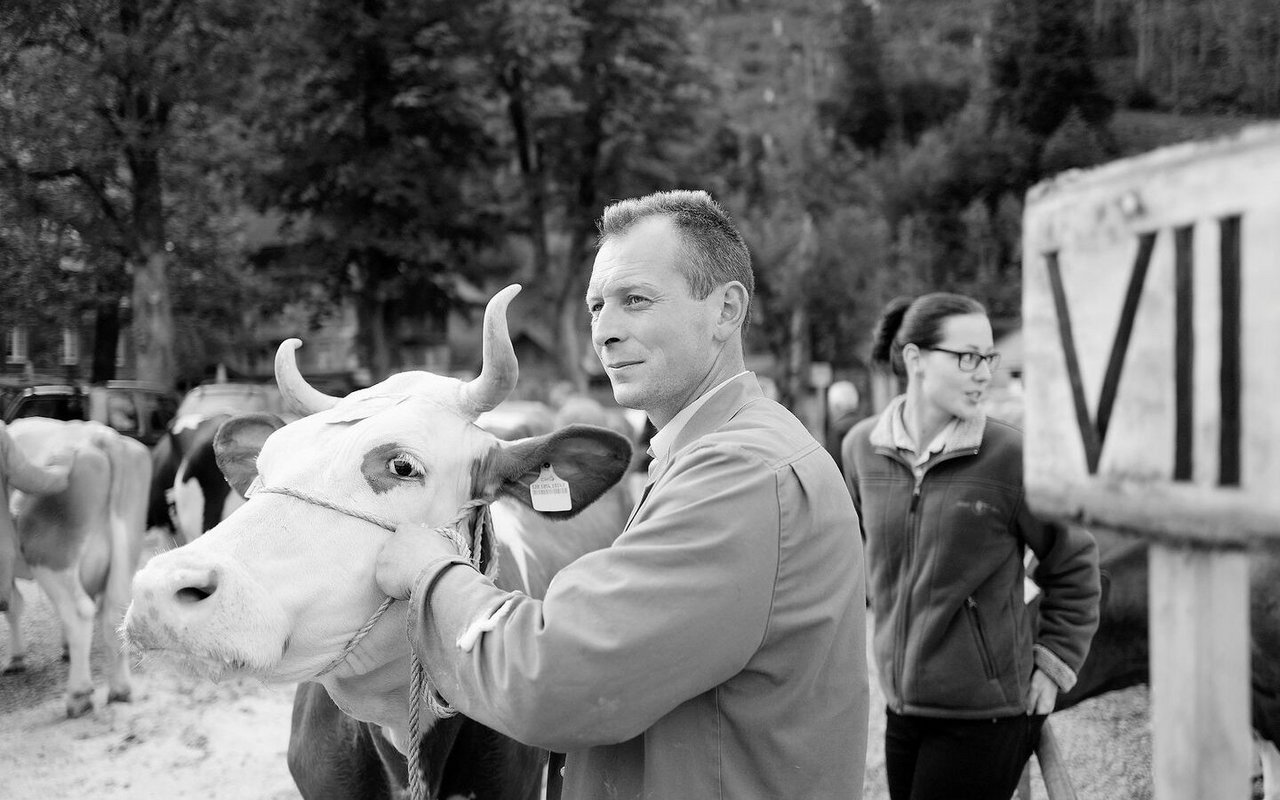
column 280, row 586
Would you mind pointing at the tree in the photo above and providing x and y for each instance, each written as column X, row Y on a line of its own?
column 375, row 121
column 859, row 105
column 97, row 106
column 1040, row 65
column 603, row 100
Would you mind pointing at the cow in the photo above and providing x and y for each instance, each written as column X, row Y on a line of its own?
column 1119, row 656
column 83, row 545
column 284, row 588
column 189, row 495
column 188, row 483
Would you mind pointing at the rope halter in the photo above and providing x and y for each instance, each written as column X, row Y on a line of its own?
column 476, row 515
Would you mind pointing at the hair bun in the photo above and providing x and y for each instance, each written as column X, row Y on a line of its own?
column 886, row 330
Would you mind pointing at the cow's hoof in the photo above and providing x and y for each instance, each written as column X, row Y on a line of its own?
column 16, row 664
column 79, row 703
column 120, row 696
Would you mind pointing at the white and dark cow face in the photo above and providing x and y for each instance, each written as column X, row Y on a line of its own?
column 279, row 587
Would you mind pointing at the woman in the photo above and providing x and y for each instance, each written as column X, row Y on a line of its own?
column 968, row 669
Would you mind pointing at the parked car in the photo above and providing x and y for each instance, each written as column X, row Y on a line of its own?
column 138, row 410
column 210, row 399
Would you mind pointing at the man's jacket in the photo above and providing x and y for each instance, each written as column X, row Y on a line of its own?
column 954, row 636
column 716, row 650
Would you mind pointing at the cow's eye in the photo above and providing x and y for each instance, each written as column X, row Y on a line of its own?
column 403, row 466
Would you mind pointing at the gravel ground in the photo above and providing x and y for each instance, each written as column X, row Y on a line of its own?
column 187, row 737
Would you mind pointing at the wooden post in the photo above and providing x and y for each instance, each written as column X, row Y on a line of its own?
column 1201, row 743
column 1053, row 767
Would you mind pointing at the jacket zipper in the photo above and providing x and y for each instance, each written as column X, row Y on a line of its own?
column 984, row 652
column 913, row 530
column 913, row 535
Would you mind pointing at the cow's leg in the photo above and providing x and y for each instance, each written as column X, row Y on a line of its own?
column 1270, row 758
column 119, row 683
column 76, row 612
column 17, row 642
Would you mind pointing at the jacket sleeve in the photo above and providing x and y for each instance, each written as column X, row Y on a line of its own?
column 676, row 606
column 1067, row 574
column 849, row 466
column 27, row 476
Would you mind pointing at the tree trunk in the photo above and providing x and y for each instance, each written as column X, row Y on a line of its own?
column 572, row 338
column 106, row 338
column 153, row 319
column 152, row 313
column 152, row 306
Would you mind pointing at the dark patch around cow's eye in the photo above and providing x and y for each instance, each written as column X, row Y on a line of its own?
column 388, row 465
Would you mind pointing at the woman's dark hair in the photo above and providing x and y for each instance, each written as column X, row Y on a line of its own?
column 906, row 321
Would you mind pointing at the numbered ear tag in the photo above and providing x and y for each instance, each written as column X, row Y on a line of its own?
column 549, row 492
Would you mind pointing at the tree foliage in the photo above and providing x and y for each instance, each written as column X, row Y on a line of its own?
column 98, row 104
column 1041, row 65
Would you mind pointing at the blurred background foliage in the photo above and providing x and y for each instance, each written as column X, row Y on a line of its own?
column 174, row 164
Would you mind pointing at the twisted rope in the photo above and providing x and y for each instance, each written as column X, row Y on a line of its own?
column 420, row 688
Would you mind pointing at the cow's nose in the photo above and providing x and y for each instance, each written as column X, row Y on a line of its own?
column 195, row 585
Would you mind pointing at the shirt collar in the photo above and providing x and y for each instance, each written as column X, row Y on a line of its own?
column 660, row 443
column 903, row 441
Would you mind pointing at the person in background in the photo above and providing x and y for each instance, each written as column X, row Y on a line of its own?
column 843, row 410
column 969, row 670
column 717, row 648
column 18, row 472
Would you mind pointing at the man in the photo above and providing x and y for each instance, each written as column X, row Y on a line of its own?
column 18, row 472
column 842, row 412
column 717, row 649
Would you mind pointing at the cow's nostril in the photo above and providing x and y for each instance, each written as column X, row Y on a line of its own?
column 192, row 594
column 198, row 588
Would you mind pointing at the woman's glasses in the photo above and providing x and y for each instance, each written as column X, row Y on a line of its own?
column 968, row 360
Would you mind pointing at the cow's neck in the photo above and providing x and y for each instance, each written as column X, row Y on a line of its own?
column 379, row 696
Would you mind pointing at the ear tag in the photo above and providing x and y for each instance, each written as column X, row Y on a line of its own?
column 549, row 492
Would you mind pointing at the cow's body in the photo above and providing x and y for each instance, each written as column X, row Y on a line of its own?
column 83, row 545
column 1119, row 656
column 333, row 756
column 280, row 588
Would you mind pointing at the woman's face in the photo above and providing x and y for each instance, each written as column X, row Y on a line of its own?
column 943, row 385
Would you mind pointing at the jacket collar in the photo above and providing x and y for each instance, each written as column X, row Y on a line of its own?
column 966, row 436
column 719, row 408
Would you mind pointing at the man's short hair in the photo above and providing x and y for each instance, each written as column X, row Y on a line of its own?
column 715, row 253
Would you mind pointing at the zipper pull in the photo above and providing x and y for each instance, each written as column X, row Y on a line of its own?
column 915, row 497
column 971, row 603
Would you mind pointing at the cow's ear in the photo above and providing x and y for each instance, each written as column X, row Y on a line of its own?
column 588, row 458
column 237, row 444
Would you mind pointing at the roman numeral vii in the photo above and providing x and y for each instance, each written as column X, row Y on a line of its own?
column 1093, row 424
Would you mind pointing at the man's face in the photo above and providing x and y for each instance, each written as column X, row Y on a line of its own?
column 656, row 342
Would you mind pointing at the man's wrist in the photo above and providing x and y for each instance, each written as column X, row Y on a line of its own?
column 426, row 578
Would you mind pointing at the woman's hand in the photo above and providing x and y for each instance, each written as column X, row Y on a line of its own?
column 1042, row 695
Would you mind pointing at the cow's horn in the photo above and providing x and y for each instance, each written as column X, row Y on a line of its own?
column 299, row 396
column 500, row 370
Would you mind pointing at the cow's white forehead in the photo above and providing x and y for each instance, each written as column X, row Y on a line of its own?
column 355, row 409
column 427, row 386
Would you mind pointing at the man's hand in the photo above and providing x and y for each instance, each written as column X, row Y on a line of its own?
column 1042, row 694
column 406, row 554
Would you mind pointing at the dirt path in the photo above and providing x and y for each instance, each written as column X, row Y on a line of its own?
column 180, row 737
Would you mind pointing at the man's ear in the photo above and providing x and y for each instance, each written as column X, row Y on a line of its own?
column 588, row 458
column 237, row 444
column 733, row 309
